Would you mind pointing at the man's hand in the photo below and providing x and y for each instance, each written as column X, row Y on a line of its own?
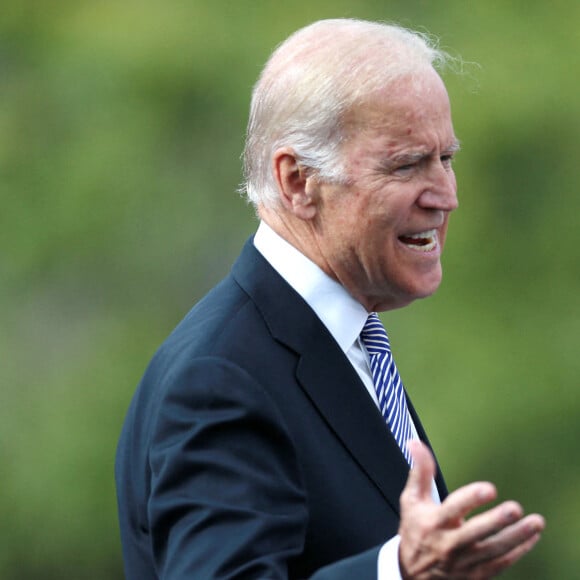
column 438, row 542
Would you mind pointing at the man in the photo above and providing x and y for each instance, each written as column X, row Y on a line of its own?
column 256, row 445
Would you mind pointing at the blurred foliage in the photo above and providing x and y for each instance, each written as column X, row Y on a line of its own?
column 121, row 126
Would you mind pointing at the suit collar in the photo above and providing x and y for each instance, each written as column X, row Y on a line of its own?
column 337, row 309
column 325, row 374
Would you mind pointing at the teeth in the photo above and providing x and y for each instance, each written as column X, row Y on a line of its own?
column 428, row 240
column 429, row 234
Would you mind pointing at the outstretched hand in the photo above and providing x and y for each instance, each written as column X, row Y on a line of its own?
column 437, row 541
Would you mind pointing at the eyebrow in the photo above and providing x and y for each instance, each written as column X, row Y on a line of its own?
column 419, row 155
column 454, row 147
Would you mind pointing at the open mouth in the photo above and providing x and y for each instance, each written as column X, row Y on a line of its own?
column 423, row 241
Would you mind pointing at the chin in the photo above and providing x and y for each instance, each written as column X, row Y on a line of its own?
column 406, row 290
column 426, row 286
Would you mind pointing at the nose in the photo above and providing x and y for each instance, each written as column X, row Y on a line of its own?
column 440, row 189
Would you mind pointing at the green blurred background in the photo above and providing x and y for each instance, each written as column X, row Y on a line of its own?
column 121, row 126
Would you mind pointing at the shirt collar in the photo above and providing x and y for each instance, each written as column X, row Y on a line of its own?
column 342, row 315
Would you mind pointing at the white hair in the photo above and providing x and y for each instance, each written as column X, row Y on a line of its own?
column 308, row 85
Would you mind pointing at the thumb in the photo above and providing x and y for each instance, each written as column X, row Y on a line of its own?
column 422, row 472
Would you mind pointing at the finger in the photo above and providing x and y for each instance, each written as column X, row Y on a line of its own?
column 489, row 523
column 494, row 567
column 422, row 472
column 487, row 568
column 514, row 538
column 464, row 500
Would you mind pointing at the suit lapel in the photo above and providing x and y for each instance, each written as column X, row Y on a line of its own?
column 337, row 392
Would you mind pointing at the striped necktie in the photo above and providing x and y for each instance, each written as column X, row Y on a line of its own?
column 388, row 384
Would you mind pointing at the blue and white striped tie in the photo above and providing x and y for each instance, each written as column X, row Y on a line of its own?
column 388, row 384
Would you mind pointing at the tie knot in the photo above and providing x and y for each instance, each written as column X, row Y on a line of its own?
column 374, row 335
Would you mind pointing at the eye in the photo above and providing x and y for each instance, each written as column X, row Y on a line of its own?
column 447, row 160
column 405, row 168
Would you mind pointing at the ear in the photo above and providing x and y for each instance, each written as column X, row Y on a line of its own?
column 295, row 185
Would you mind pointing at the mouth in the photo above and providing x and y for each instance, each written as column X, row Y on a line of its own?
column 423, row 241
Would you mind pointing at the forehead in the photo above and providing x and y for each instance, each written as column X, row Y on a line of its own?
column 412, row 112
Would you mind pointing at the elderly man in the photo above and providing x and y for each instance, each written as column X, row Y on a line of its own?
column 271, row 436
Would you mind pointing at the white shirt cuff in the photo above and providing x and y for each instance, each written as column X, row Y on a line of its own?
column 388, row 561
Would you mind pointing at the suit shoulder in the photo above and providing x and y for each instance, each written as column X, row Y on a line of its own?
column 221, row 317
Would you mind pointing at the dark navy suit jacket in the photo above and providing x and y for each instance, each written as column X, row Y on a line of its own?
column 251, row 448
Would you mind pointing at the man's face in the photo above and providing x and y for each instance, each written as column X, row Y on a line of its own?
column 382, row 234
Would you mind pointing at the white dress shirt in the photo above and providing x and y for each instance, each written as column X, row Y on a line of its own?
column 344, row 317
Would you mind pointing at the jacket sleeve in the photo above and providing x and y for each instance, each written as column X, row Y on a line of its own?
column 227, row 498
